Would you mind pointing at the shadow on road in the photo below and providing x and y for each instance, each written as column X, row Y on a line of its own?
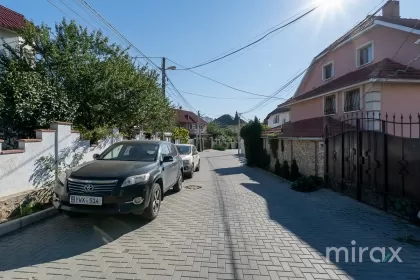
column 61, row 238
column 323, row 219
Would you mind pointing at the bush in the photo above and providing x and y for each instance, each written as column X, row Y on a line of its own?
column 319, row 181
column 263, row 160
column 294, row 171
column 277, row 168
column 304, row 184
column 284, row 170
column 251, row 133
column 219, row 147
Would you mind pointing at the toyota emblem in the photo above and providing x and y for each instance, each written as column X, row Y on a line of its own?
column 88, row 188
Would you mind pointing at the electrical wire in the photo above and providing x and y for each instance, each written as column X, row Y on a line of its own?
column 215, row 97
column 250, row 44
column 261, row 34
column 102, row 19
column 315, row 61
column 71, row 9
column 396, row 72
column 220, row 83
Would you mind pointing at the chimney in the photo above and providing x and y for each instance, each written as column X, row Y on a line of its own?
column 391, row 9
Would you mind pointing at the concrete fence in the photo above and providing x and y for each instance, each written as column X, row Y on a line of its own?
column 32, row 165
column 309, row 154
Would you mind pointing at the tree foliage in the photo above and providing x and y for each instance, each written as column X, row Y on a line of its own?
column 71, row 74
column 226, row 135
column 294, row 171
column 181, row 134
column 251, row 133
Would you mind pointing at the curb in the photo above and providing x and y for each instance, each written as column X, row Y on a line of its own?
column 20, row 223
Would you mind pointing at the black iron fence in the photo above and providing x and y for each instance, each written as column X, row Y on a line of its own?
column 376, row 159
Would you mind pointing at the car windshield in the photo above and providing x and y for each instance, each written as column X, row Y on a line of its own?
column 131, row 152
column 184, row 150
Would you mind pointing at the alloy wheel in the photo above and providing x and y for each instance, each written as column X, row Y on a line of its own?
column 156, row 201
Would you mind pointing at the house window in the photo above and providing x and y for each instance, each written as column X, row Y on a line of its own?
column 327, row 71
column 365, row 54
column 352, row 100
column 276, row 119
column 329, row 105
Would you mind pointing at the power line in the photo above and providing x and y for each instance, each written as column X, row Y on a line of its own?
column 256, row 41
column 393, row 57
column 181, row 96
column 315, row 61
column 215, row 97
column 101, row 18
column 58, row 8
column 71, row 9
column 260, row 34
column 220, row 83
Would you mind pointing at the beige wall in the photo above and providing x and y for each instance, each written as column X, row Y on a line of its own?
column 309, row 155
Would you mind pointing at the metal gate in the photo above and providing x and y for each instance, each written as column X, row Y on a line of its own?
column 376, row 161
column 207, row 144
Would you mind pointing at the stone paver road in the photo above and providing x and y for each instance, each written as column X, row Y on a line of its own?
column 242, row 223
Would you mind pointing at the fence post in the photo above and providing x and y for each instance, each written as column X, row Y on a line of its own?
column 358, row 161
column 326, row 154
column 386, row 187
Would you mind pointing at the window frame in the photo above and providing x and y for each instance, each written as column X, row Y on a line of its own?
column 276, row 119
column 332, row 70
column 344, row 100
column 358, row 54
column 323, row 104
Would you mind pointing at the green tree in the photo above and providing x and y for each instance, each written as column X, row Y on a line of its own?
column 181, row 134
column 75, row 75
column 251, row 133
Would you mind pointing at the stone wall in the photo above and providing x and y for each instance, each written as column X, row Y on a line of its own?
column 309, row 155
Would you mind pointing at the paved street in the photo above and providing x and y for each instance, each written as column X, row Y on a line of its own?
column 241, row 223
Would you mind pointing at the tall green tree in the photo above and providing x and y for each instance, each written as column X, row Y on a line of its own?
column 71, row 74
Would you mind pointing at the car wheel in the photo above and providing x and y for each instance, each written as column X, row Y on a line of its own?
column 198, row 166
column 178, row 185
column 152, row 210
column 74, row 214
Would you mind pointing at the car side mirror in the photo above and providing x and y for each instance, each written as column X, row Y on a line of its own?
column 195, row 153
column 95, row 156
column 168, row 159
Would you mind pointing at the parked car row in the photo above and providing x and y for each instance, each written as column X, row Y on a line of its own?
column 128, row 177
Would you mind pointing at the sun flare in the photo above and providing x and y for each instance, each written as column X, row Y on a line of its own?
column 329, row 5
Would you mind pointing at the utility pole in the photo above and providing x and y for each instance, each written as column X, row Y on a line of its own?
column 163, row 68
column 239, row 131
column 199, row 133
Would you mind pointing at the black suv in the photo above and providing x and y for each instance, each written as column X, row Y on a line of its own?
column 128, row 177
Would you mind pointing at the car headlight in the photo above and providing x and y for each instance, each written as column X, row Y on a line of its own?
column 135, row 180
column 186, row 161
column 62, row 177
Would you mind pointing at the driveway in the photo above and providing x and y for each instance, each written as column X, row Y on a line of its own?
column 233, row 222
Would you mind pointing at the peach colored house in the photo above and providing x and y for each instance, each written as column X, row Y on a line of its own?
column 375, row 67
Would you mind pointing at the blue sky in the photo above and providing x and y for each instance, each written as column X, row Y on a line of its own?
column 191, row 32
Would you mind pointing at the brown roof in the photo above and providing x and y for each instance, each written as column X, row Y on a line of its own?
column 386, row 68
column 308, row 128
column 188, row 117
column 10, row 19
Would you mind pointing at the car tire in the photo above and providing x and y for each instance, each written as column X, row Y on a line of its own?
column 198, row 166
column 178, row 186
column 152, row 210
column 73, row 215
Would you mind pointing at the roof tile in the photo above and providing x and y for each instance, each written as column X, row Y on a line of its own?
column 10, row 19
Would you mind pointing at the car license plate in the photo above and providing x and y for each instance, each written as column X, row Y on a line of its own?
column 85, row 200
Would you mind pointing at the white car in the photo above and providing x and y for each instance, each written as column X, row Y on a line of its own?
column 190, row 158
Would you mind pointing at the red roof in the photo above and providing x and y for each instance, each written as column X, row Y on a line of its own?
column 308, row 128
column 188, row 117
column 386, row 68
column 10, row 19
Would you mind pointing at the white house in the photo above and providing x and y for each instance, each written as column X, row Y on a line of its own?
column 10, row 22
column 277, row 117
